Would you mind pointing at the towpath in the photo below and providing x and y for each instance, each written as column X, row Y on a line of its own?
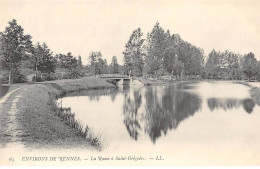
column 10, row 131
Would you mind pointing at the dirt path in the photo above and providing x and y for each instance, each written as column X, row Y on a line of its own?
column 10, row 130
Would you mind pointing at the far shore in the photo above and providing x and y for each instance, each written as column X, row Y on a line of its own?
column 39, row 126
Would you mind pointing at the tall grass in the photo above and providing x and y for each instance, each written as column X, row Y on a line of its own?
column 68, row 118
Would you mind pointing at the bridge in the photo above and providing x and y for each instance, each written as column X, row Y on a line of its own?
column 116, row 77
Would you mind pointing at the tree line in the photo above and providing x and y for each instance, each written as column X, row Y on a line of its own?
column 19, row 57
column 165, row 54
column 159, row 54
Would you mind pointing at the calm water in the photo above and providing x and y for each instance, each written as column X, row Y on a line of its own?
column 203, row 119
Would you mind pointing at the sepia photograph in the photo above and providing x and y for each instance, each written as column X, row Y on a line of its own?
column 129, row 83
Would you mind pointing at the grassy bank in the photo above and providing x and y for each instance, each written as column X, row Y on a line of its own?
column 254, row 91
column 71, row 85
column 255, row 94
column 148, row 82
column 39, row 125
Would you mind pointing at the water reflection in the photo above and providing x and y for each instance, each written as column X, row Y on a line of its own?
column 248, row 105
column 150, row 112
column 130, row 109
column 227, row 104
column 164, row 109
column 94, row 95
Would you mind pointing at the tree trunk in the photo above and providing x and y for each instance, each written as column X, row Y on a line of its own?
column 36, row 71
column 10, row 78
column 35, row 76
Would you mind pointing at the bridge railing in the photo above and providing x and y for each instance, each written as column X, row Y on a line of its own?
column 113, row 76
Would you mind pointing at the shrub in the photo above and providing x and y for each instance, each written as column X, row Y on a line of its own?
column 258, row 77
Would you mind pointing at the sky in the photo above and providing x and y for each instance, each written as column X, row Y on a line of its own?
column 80, row 27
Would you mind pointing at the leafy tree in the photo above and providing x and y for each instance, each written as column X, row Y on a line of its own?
column 258, row 72
column 93, row 58
column 67, row 65
column 97, row 64
column 102, row 66
column 79, row 67
column 156, row 48
column 114, row 67
column 14, row 48
column 79, row 63
column 43, row 59
column 250, row 65
column 195, row 61
column 212, row 65
column 171, row 61
column 66, row 61
column 224, row 65
column 233, row 68
column 133, row 54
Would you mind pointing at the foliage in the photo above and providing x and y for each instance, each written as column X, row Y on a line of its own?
column 258, row 74
column 17, row 78
column 114, row 67
column 133, row 54
column 97, row 64
column 156, row 47
column 14, row 48
column 44, row 58
column 169, row 54
column 161, row 53
column 223, row 65
column 68, row 66
column 66, row 61
column 250, row 65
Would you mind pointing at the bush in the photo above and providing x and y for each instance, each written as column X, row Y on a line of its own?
column 20, row 78
column 1, row 79
column 258, row 77
column 39, row 79
column 45, row 77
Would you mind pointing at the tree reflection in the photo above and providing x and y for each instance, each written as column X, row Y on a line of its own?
column 165, row 107
column 248, row 105
column 176, row 106
column 227, row 104
column 94, row 95
column 130, row 109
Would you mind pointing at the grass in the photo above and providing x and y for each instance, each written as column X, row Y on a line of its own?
column 68, row 118
column 255, row 94
column 43, row 125
column 71, row 85
column 246, row 83
column 148, row 82
column 254, row 91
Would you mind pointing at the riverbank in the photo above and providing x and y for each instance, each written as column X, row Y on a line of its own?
column 148, row 82
column 31, row 107
column 255, row 94
column 254, row 91
column 28, row 112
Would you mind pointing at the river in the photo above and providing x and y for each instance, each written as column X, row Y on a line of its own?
column 206, row 119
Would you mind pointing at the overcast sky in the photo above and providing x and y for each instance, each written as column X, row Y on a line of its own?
column 84, row 26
